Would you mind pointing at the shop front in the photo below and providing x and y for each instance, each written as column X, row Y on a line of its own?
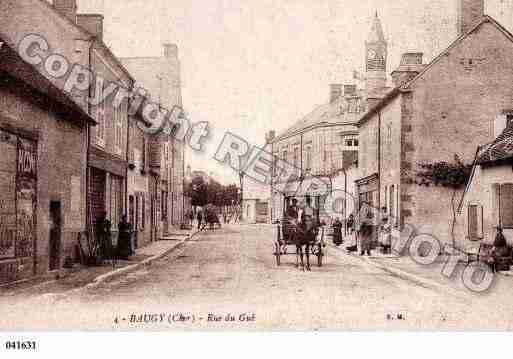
column 18, row 206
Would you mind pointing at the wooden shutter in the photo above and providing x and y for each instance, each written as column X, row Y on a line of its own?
column 475, row 222
column 506, row 205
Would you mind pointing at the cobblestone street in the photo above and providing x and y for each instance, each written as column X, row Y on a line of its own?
column 233, row 272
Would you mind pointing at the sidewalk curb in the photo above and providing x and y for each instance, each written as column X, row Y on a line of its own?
column 118, row 272
column 408, row 276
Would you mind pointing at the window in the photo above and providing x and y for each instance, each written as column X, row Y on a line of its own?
column 308, row 158
column 506, row 205
column 100, row 127
column 475, row 222
column 509, row 120
column 355, row 143
column 349, row 143
column 285, row 156
column 118, row 130
column 296, row 157
column 164, row 205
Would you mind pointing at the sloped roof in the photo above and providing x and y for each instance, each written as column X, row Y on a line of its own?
column 499, row 150
column 14, row 66
column 485, row 19
column 326, row 114
column 407, row 86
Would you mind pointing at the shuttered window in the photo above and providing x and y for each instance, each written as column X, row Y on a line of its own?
column 475, row 222
column 506, row 205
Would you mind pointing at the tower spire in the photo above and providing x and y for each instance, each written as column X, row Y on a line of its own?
column 376, row 33
column 376, row 57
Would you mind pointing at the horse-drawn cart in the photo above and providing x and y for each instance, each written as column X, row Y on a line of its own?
column 300, row 231
column 291, row 234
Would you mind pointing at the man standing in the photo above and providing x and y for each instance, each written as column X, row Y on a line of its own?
column 307, row 216
column 365, row 230
column 292, row 212
column 103, row 235
column 124, row 247
column 200, row 218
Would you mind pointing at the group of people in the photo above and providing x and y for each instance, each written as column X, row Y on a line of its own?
column 207, row 217
column 124, row 248
column 366, row 230
column 302, row 216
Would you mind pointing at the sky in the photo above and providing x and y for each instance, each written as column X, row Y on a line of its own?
column 250, row 66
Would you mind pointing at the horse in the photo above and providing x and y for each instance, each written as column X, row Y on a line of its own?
column 304, row 236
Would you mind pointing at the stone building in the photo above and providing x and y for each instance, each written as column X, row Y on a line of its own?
column 325, row 142
column 488, row 201
column 436, row 111
column 160, row 76
column 42, row 209
column 108, row 160
column 138, row 179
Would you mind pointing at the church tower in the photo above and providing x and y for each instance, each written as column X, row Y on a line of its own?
column 376, row 57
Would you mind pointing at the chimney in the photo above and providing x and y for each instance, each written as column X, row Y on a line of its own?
column 470, row 12
column 411, row 65
column 335, row 92
column 170, row 51
column 349, row 90
column 68, row 8
column 270, row 136
column 92, row 23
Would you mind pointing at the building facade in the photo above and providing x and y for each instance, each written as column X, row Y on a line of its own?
column 325, row 143
column 42, row 209
column 138, row 178
column 160, row 76
column 436, row 113
column 488, row 200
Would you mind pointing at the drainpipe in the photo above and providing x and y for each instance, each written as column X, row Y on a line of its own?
column 345, row 201
column 273, row 171
column 183, row 183
column 89, row 111
column 379, row 161
column 129, row 102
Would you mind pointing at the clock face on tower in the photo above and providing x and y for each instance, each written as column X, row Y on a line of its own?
column 375, row 60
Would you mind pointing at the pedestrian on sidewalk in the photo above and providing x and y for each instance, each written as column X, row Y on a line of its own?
column 200, row 218
column 125, row 229
column 365, row 230
column 103, row 236
column 350, row 224
column 337, row 232
column 385, row 232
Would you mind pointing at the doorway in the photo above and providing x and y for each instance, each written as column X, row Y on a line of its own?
column 55, row 235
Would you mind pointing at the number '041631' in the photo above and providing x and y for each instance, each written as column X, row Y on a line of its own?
column 20, row 345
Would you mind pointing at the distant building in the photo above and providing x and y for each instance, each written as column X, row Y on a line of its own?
column 160, row 76
column 325, row 142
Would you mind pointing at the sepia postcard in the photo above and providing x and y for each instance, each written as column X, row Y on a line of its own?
column 255, row 165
